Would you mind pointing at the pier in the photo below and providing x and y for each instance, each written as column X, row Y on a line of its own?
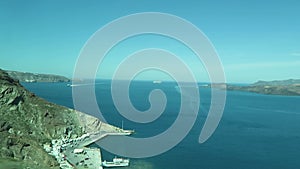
column 73, row 153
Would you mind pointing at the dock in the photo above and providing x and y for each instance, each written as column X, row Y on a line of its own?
column 73, row 153
column 85, row 158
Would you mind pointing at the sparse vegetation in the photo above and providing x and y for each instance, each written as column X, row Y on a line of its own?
column 279, row 87
column 34, row 77
column 27, row 122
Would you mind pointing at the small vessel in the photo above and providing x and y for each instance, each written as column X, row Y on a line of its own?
column 157, row 81
column 129, row 132
column 117, row 162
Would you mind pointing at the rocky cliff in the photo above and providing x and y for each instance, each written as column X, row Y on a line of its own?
column 27, row 122
column 34, row 77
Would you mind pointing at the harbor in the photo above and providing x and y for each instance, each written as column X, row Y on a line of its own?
column 74, row 153
column 85, row 158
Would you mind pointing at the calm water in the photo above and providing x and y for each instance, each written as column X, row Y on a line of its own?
column 256, row 131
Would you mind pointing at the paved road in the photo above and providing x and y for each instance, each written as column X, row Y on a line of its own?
column 89, row 158
column 97, row 136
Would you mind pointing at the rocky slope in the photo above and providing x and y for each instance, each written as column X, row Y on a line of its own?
column 27, row 122
column 34, row 77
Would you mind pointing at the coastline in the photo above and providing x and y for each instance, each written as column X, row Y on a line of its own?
column 29, row 124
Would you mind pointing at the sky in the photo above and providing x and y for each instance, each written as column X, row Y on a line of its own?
column 255, row 40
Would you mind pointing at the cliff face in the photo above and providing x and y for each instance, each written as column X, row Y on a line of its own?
column 33, row 77
column 27, row 122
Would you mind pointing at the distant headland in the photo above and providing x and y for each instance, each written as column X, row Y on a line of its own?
column 35, row 77
column 289, row 87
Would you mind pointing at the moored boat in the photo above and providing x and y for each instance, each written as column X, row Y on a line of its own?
column 117, row 162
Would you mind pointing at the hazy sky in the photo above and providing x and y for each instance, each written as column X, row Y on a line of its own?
column 255, row 40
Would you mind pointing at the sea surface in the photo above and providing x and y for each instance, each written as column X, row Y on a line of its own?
column 256, row 131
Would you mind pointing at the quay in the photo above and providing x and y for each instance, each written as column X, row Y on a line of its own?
column 73, row 153
column 85, row 158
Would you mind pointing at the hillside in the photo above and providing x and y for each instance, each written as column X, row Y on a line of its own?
column 278, row 82
column 34, row 77
column 289, row 87
column 27, row 122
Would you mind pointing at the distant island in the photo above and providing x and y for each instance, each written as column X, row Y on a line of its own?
column 35, row 77
column 289, row 87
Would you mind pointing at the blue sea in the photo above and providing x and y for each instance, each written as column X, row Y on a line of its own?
column 256, row 131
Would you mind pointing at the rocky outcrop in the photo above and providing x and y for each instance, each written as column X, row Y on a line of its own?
column 34, row 77
column 27, row 122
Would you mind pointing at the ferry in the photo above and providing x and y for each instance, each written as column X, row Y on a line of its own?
column 117, row 162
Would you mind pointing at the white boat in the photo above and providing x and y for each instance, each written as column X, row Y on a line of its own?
column 157, row 81
column 117, row 162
